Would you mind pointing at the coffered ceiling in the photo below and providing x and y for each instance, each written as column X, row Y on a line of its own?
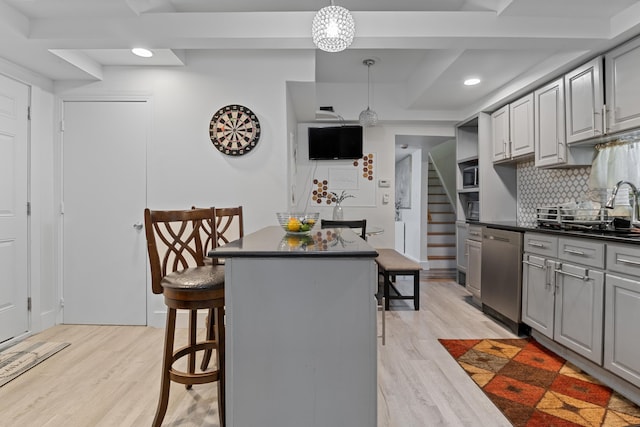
column 425, row 47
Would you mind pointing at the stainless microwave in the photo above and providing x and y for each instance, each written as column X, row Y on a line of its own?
column 470, row 177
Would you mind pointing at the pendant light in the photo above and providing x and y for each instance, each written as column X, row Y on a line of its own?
column 368, row 117
column 333, row 28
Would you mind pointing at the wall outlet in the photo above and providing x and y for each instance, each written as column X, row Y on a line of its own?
column 385, row 198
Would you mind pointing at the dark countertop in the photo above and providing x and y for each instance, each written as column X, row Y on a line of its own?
column 274, row 242
column 618, row 236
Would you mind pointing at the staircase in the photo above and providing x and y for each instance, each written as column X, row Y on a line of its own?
column 441, row 230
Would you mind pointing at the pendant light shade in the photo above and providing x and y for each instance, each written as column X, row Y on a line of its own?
column 333, row 28
column 368, row 117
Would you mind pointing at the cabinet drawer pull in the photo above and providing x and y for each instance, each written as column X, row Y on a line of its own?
column 542, row 267
column 577, row 276
column 574, row 252
column 535, row 245
column 627, row 261
column 596, row 131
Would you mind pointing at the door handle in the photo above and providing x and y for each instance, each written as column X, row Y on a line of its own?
column 137, row 226
column 542, row 267
column 577, row 276
column 627, row 261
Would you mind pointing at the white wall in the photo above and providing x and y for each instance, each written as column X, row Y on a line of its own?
column 415, row 223
column 44, row 225
column 183, row 167
column 375, row 214
column 42, row 275
column 380, row 140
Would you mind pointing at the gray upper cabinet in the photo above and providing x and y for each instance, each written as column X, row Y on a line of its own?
column 622, row 82
column 549, row 125
column 512, row 128
column 584, row 101
column 521, row 126
column 500, row 134
column 549, row 130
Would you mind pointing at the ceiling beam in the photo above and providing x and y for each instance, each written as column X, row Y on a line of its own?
column 291, row 30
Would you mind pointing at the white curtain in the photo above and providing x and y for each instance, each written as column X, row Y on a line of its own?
column 616, row 161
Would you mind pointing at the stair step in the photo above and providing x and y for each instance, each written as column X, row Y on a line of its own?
column 442, row 245
column 443, row 222
column 441, row 257
column 440, row 233
column 440, row 209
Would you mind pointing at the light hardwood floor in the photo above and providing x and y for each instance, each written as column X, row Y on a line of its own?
column 110, row 375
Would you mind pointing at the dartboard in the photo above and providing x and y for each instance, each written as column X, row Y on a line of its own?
column 234, row 130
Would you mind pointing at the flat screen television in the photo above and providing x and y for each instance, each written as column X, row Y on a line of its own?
column 338, row 142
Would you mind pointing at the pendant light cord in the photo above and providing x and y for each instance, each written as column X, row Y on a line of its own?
column 369, row 63
column 368, row 84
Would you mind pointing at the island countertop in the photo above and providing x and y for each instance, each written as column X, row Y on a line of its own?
column 300, row 329
column 274, row 242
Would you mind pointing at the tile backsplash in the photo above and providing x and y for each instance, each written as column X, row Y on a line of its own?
column 542, row 187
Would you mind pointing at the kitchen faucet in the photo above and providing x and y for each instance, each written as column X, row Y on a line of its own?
column 611, row 202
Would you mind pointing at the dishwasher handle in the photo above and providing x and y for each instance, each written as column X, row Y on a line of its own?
column 498, row 238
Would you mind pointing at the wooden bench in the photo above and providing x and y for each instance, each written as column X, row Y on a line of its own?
column 391, row 264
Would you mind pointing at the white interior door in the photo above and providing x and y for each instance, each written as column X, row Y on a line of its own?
column 14, row 317
column 104, row 196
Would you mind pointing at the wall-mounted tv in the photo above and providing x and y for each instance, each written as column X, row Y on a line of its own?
column 339, row 142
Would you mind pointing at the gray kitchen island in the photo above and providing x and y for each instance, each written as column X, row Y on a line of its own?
column 300, row 329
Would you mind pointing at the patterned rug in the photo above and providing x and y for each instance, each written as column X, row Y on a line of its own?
column 534, row 387
column 18, row 359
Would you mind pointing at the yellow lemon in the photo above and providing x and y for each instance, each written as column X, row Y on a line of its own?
column 293, row 224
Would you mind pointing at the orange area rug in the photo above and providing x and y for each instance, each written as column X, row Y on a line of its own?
column 534, row 387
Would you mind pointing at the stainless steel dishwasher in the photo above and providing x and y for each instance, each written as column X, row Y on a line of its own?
column 501, row 274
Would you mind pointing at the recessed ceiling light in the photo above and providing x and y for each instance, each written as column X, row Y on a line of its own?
column 472, row 81
column 140, row 51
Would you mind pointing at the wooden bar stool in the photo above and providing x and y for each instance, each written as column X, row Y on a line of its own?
column 178, row 271
column 228, row 226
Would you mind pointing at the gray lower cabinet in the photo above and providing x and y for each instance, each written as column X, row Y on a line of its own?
column 474, row 269
column 563, row 299
column 462, row 231
column 622, row 312
column 622, row 340
column 579, row 309
column 538, row 293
